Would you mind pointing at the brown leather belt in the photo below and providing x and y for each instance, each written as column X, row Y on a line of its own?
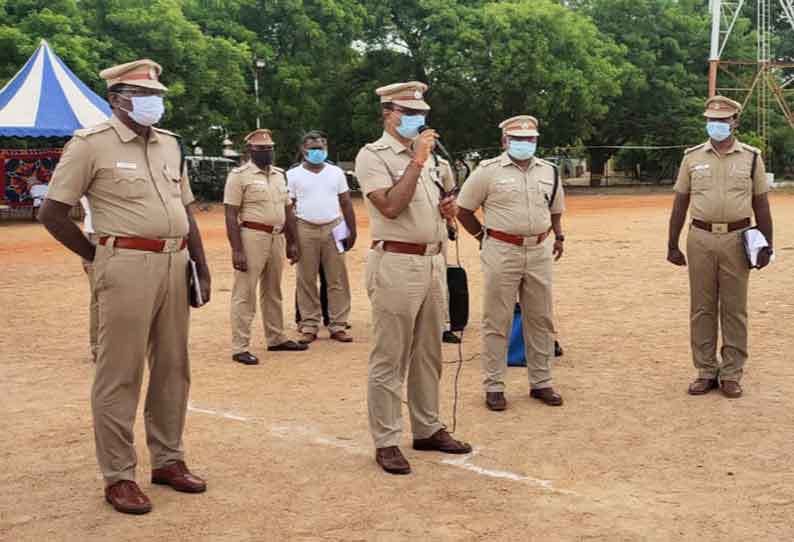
column 261, row 227
column 721, row 227
column 517, row 240
column 149, row 245
column 417, row 249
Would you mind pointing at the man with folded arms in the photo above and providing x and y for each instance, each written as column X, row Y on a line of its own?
column 521, row 206
column 405, row 267
column 258, row 217
column 722, row 182
column 132, row 175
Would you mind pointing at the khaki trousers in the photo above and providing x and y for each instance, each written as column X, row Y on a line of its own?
column 718, row 279
column 143, row 312
column 319, row 248
column 510, row 271
column 406, row 294
column 264, row 253
column 88, row 267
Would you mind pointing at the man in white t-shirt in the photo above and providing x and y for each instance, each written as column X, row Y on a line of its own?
column 324, row 209
column 88, row 267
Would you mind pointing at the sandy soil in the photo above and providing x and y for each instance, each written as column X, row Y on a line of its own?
column 285, row 445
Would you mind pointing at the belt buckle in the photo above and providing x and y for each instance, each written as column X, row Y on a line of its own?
column 171, row 245
column 278, row 229
column 719, row 228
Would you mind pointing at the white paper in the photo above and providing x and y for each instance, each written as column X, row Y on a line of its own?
column 754, row 242
column 196, row 283
column 340, row 233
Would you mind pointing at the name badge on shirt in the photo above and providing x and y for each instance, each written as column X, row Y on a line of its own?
column 699, row 167
column 126, row 165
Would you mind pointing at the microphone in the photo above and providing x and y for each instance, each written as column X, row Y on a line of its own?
column 440, row 145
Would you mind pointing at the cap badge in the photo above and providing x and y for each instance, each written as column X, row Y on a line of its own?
column 152, row 73
column 418, row 95
column 525, row 125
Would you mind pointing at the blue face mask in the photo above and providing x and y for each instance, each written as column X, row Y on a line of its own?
column 409, row 125
column 316, row 156
column 718, row 131
column 522, row 150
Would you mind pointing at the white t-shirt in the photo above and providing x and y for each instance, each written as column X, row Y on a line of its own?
column 316, row 195
column 88, row 226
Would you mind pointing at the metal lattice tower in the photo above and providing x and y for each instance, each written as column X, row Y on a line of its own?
column 769, row 77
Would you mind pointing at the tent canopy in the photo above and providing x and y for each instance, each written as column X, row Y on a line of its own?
column 45, row 99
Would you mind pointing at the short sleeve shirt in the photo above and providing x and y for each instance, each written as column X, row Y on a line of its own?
column 721, row 186
column 316, row 194
column 134, row 187
column 513, row 200
column 380, row 165
column 260, row 195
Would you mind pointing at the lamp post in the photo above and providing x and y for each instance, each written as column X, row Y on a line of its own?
column 258, row 65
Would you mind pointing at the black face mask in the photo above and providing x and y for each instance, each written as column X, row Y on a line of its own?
column 262, row 159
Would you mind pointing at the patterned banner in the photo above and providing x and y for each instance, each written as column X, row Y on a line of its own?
column 22, row 169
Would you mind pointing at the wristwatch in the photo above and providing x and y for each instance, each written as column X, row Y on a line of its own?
column 559, row 237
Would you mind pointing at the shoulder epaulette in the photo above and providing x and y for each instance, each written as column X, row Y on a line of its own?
column 754, row 150
column 490, row 161
column 240, row 169
column 84, row 132
column 167, row 132
column 696, row 147
column 277, row 169
column 376, row 146
column 546, row 163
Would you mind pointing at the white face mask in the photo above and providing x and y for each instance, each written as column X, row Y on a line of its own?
column 146, row 110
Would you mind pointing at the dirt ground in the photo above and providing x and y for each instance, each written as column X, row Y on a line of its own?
column 285, row 447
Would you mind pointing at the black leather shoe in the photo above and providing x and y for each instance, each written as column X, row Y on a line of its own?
column 288, row 346
column 246, row 358
column 557, row 349
column 495, row 400
column 450, row 338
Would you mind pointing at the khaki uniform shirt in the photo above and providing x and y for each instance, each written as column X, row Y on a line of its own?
column 134, row 187
column 721, row 187
column 261, row 196
column 380, row 165
column 513, row 201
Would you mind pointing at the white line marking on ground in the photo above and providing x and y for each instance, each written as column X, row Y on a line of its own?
column 227, row 415
column 309, row 434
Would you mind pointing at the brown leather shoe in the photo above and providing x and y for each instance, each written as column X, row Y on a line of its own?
column 307, row 338
column 702, row 386
column 441, row 441
column 178, row 477
column 391, row 460
column 730, row 389
column 495, row 400
column 341, row 336
column 127, row 497
column 547, row 395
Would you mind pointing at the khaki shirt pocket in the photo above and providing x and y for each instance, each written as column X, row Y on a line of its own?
column 740, row 181
column 700, row 179
column 256, row 192
column 127, row 185
column 174, row 180
column 544, row 189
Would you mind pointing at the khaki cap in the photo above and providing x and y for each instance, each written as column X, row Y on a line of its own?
column 520, row 125
column 410, row 95
column 263, row 136
column 720, row 107
column 140, row 73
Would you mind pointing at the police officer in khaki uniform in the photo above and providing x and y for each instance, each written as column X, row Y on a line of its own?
column 404, row 281
column 723, row 183
column 258, row 217
column 521, row 207
column 131, row 173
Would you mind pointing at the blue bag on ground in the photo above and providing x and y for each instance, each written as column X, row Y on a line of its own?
column 516, row 357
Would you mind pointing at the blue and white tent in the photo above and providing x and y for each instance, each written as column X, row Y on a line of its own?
column 45, row 99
